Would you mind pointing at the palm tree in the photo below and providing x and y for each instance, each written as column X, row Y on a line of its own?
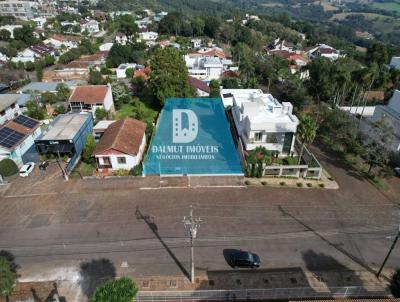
column 306, row 132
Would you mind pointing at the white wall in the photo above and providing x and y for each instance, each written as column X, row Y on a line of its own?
column 10, row 114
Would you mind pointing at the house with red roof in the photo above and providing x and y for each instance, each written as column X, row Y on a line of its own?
column 121, row 146
column 201, row 87
column 59, row 41
column 91, row 97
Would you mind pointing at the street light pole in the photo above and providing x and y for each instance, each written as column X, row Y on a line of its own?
column 388, row 254
column 191, row 224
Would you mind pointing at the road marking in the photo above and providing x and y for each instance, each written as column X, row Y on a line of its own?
column 33, row 194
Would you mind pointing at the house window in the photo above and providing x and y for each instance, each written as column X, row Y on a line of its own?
column 258, row 136
column 121, row 160
column 3, row 113
column 272, row 138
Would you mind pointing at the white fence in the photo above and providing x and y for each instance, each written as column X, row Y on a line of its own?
column 263, row 294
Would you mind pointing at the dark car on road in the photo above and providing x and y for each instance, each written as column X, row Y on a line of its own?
column 244, row 259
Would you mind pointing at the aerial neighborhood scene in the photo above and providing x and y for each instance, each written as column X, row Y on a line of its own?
column 210, row 150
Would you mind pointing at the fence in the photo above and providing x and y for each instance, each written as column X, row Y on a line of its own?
column 264, row 294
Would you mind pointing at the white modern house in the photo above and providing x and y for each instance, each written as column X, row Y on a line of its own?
column 121, row 38
column 148, row 36
column 325, row 51
column 106, row 46
column 390, row 114
column 122, row 68
column 395, row 62
column 121, row 146
column 89, row 98
column 205, row 67
column 260, row 120
column 9, row 107
column 195, row 43
column 17, row 138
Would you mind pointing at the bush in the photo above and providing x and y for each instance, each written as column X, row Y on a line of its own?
column 264, row 183
column 309, row 184
column 299, row 184
column 282, row 183
column 247, row 182
column 395, row 284
column 8, row 167
column 121, row 172
column 120, row 290
column 322, row 185
column 137, row 170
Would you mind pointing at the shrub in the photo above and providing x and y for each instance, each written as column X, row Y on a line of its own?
column 309, row 184
column 299, row 184
column 137, row 170
column 322, row 185
column 282, row 183
column 264, row 183
column 395, row 284
column 121, row 172
column 8, row 167
column 120, row 290
column 247, row 182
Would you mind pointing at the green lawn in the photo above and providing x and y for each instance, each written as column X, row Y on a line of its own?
column 389, row 6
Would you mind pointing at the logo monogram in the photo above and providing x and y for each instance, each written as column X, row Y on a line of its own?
column 184, row 132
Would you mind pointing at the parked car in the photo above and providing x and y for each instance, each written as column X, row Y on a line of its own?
column 26, row 169
column 397, row 171
column 43, row 165
column 244, row 259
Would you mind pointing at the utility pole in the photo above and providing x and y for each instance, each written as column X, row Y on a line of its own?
column 191, row 224
column 388, row 254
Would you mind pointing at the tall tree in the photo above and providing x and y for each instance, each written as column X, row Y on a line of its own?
column 8, row 277
column 127, row 25
column 377, row 53
column 214, row 88
column 169, row 75
column 306, row 132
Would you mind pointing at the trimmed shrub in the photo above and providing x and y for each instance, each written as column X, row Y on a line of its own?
column 8, row 167
column 282, row 183
column 299, row 184
column 309, row 184
column 121, row 172
column 322, row 185
column 264, row 183
column 395, row 284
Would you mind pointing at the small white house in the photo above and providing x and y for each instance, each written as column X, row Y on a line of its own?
column 59, row 41
column 40, row 22
column 261, row 120
column 92, row 26
column 195, row 43
column 34, row 52
column 121, row 38
column 9, row 107
column 89, row 98
column 325, row 51
column 106, row 46
column 205, row 67
column 148, row 36
column 17, row 138
column 121, row 70
column 121, row 146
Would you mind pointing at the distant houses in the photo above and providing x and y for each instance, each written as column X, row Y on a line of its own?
column 33, row 53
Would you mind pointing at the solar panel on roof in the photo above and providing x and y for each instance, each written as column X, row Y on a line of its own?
column 9, row 137
column 26, row 121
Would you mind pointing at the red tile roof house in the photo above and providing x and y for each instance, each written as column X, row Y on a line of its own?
column 201, row 87
column 89, row 98
column 121, row 146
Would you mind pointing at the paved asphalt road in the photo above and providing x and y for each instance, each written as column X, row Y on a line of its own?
column 313, row 229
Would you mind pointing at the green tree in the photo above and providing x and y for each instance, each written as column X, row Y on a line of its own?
column 35, row 110
column 88, row 149
column 25, row 34
column 376, row 150
column 211, row 26
column 8, row 167
column 5, row 35
column 8, row 277
column 214, row 88
column 129, row 73
column 39, row 71
column 63, row 92
column 29, row 66
column 395, row 284
column 230, row 83
column 95, row 77
column 120, row 94
column 100, row 114
column 120, row 290
column 169, row 75
column 306, row 132
column 127, row 25
column 377, row 53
